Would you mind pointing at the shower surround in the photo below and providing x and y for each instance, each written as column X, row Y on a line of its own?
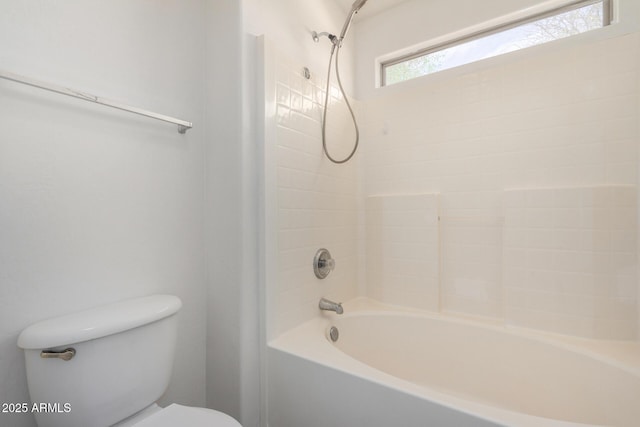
column 312, row 201
column 531, row 169
column 535, row 164
column 505, row 195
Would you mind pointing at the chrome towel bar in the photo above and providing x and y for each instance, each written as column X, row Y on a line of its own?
column 183, row 126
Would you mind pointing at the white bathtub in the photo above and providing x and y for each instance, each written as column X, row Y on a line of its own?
column 405, row 369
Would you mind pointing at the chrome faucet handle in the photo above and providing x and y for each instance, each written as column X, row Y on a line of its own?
column 327, row 263
column 323, row 264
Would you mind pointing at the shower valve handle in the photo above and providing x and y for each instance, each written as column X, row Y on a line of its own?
column 323, row 264
column 327, row 263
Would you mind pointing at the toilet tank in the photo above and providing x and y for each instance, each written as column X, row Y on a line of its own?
column 122, row 364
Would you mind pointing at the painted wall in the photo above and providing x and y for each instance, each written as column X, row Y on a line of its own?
column 99, row 205
column 549, row 119
column 231, row 217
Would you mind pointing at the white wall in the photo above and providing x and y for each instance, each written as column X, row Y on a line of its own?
column 570, row 260
column 316, row 202
column 99, row 205
column 299, row 192
column 306, row 190
column 402, row 245
column 231, row 218
column 549, row 117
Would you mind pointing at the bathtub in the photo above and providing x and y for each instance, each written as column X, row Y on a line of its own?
column 393, row 367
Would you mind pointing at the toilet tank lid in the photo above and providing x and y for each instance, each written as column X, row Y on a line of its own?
column 98, row 322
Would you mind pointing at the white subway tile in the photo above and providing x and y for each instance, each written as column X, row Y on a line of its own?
column 566, row 130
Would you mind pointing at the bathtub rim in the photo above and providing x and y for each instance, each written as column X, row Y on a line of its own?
column 308, row 341
column 622, row 354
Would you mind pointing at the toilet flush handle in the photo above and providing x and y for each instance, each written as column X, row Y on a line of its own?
column 65, row 355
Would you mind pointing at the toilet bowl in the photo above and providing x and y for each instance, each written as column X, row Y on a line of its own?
column 108, row 366
column 177, row 415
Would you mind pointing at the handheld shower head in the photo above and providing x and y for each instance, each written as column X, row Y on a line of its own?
column 357, row 5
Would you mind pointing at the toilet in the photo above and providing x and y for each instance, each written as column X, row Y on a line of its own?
column 107, row 366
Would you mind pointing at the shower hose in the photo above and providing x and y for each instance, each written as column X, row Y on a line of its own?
column 336, row 50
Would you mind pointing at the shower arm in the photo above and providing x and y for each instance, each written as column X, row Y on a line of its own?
column 316, row 37
column 355, row 7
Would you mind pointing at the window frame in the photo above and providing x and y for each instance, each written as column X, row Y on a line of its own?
column 607, row 19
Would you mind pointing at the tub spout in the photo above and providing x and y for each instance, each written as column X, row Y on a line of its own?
column 328, row 305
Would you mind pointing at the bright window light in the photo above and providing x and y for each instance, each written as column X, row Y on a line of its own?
column 560, row 23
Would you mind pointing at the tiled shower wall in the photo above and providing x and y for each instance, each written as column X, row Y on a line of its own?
column 558, row 118
column 472, row 262
column 402, row 250
column 316, row 200
column 570, row 260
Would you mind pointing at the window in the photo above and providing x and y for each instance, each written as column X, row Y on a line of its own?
column 576, row 18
